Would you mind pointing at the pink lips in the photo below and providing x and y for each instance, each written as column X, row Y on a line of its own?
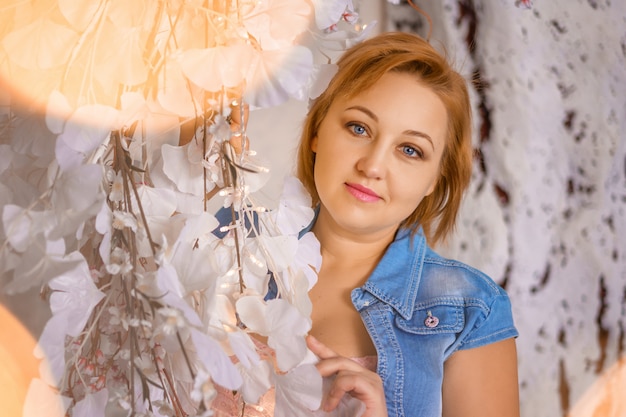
column 362, row 193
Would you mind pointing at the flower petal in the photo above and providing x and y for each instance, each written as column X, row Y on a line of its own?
column 199, row 66
column 188, row 177
column 298, row 392
column 217, row 363
column 329, row 12
column 42, row 44
column 93, row 405
column 278, row 75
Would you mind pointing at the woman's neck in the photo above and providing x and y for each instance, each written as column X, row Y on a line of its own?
column 343, row 248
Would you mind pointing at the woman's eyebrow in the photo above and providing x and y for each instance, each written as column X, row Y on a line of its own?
column 415, row 133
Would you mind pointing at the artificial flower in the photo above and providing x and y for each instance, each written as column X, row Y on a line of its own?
column 42, row 44
column 183, row 166
column 277, row 75
column 276, row 23
column 328, row 13
column 215, row 361
column 197, row 65
column 294, row 210
column 281, row 323
column 298, row 392
column 93, row 405
column 73, row 298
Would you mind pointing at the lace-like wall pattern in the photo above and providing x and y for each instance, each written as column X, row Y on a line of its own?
column 545, row 214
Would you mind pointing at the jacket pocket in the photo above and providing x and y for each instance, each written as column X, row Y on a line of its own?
column 435, row 318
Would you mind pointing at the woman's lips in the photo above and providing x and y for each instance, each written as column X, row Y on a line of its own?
column 362, row 193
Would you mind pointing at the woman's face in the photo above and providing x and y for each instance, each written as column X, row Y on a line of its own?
column 378, row 154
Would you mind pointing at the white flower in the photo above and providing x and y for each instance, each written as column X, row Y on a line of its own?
column 119, row 262
column 117, row 188
column 329, row 12
column 173, row 320
column 122, row 219
column 294, row 210
column 283, row 325
column 183, row 166
column 220, row 128
column 298, row 392
column 203, row 389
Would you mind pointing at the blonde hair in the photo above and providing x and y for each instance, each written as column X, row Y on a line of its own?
column 362, row 66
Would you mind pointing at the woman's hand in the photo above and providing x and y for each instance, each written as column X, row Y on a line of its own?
column 350, row 378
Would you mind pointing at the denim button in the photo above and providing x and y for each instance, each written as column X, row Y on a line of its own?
column 431, row 321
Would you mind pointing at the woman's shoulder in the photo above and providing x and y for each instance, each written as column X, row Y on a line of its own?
column 465, row 301
column 451, row 277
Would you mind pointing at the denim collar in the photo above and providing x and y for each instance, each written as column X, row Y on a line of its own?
column 395, row 280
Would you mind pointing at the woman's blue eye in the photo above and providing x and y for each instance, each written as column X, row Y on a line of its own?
column 358, row 129
column 411, row 151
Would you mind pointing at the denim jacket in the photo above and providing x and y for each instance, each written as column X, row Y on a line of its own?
column 419, row 308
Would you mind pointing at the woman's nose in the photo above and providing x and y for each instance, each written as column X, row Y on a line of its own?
column 373, row 163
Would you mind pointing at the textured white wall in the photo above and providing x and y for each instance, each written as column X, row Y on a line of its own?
column 545, row 215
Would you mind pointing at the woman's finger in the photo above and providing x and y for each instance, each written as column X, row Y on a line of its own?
column 349, row 378
column 320, row 349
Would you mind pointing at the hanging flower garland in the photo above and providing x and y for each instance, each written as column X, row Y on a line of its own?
column 106, row 203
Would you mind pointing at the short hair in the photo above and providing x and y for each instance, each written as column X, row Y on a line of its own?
column 363, row 65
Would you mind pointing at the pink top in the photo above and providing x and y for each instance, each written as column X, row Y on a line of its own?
column 228, row 404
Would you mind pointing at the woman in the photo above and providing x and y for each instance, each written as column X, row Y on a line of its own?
column 386, row 154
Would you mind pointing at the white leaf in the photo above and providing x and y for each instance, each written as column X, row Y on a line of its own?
column 42, row 400
column 21, row 225
column 66, row 157
column 199, row 65
column 89, row 126
column 216, row 362
column 298, row 392
column 187, row 176
column 329, row 12
column 308, row 258
column 40, row 45
column 176, row 94
column 52, row 346
column 252, row 312
column 281, row 251
column 278, row 75
column 294, row 210
column 58, row 110
column 42, row 262
column 104, row 218
column 157, row 201
column 78, row 196
column 173, row 292
column 243, row 348
column 120, row 57
column 93, row 405
column 79, row 13
column 256, row 381
column 76, row 294
column 276, row 23
column 199, row 226
column 281, row 322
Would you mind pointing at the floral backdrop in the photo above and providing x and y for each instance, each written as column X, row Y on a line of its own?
column 120, row 138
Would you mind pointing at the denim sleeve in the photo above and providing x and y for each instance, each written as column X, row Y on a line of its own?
column 497, row 325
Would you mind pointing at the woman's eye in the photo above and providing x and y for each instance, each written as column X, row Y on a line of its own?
column 412, row 152
column 357, row 129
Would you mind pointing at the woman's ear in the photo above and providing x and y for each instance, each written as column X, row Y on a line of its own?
column 314, row 144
